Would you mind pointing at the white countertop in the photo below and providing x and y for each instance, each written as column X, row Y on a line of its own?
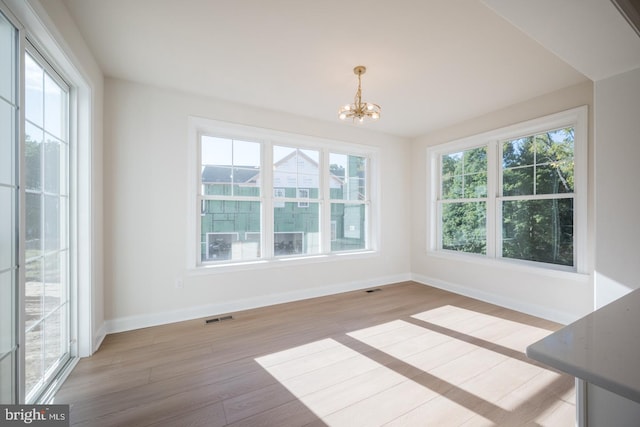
column 602, row 348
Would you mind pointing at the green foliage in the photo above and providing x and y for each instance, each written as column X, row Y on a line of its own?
column 464, row 227
column 538, row 230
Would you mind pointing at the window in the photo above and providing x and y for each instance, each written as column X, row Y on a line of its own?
column 9, row 259
column 537, row 197
column 266, row 195
column 348, row 189
column 230, row 199
column 463, row 200
column 47, row 282
column 516, row 193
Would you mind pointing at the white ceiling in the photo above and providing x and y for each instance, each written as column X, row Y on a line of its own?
column 430, row 63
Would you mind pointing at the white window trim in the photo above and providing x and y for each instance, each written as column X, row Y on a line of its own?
column 199, row 125
column 578, row 118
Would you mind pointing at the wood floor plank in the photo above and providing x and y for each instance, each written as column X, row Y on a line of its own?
column 407, row 355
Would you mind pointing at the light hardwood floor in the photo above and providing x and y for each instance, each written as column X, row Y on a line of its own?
column 407, row 355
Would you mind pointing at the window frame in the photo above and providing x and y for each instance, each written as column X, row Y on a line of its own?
column 575, row 117
column 268, row 138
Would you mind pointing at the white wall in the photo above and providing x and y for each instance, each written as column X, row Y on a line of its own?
column 559, row 297
column 617, row 126
column 145, row 211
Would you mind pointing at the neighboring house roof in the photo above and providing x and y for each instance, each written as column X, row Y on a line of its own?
column 249, row 175
column 241, row 174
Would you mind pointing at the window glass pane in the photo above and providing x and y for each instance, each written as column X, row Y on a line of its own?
column 8, row 381
column 475, row 173
column 296, row 229
column 230, row 230
column 33, row 235
column 518, row 181
column 464, row 227
column 51, row 223
column 348, row 227
column 54, row 104
column 295, row 168
column 538, row 230
column 63, row 178
column 554, row 153
column 347, row 177
column 464, row 174
column 32, row 153
column 518, row 152
column 6, row 228
column 51, row 166
column 54, row 337
column 53, row 290
column 554, row 178
column 34, row 88
column 33, row 358
column 7, row 142
column 7, row 314
column 452, row 187
column 33, row 292
column 452, row 166
column 7, row 64
column 217, row 180
column 553, row 146
column 230, row 167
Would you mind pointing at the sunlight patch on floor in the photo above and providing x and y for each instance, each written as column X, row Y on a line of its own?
column 343, row 387
column 465, row 370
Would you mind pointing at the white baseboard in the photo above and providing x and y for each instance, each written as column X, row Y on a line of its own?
column 101, row 333
column 507, row 302
column 129, row 323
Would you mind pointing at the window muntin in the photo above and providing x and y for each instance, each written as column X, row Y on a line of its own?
column 535, row 193
column 293, row 213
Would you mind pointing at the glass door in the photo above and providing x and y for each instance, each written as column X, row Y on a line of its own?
column 8, row 212
column 46, row 242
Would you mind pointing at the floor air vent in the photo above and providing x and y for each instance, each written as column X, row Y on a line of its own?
column 370, row 291
column 218, row 319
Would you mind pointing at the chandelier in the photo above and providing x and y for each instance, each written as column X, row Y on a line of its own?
column 359, row 110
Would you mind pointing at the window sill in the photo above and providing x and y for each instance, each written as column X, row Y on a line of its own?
column 208, row 269
column 511, row 265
